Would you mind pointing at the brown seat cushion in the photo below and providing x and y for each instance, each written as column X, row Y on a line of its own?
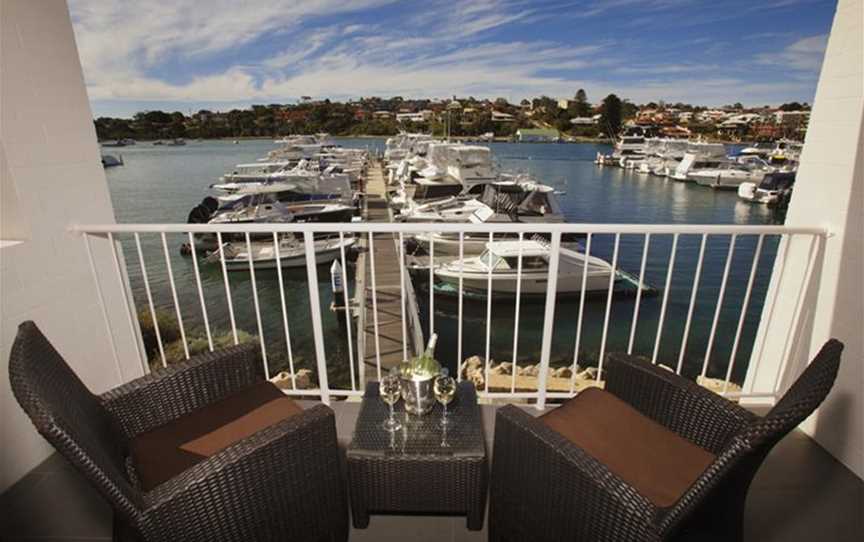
column 165, row 452
column 655, row 461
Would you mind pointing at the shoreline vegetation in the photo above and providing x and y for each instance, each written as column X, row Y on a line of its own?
column 471, row 119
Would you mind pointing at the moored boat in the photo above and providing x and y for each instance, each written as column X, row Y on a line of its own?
column 774, row 187
column 291, row 253
column 502, row 258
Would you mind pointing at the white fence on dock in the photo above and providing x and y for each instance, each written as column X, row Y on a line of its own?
column 133, row 233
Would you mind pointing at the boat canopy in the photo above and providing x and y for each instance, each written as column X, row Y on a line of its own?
column 511, row 248
column 529, row 199
column 777, row 181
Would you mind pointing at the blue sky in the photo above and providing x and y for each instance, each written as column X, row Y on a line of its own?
column 221, row 54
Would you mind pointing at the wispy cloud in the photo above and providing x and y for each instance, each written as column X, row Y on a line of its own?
column 210, row 52
column 805, row 54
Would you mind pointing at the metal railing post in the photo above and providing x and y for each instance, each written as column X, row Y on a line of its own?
column 549, row 319
column 315, row 307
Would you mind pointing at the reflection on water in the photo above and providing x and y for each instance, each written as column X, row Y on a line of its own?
column 161, row 184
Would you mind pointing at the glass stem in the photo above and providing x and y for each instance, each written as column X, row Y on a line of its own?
column 391, row 414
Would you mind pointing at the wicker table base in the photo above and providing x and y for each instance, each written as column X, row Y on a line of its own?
column 410, row 472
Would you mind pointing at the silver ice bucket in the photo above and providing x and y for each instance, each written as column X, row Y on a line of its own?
column 418, row 394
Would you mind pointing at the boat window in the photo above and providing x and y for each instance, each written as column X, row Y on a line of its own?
column 528, row 262
column 490, row 260
column 535, row 204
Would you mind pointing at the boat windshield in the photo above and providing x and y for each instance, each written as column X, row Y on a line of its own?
column 535, row 204
column 490, row 260
column 777, row 181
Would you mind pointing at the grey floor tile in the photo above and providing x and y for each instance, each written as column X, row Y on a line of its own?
column 60, row 504
column 403, row 528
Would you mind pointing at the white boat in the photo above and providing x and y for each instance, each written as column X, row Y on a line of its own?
column 705, row 156
column 396, row 148
column 760, row 149
column 254, row 187
column 770, row 190
column 503, row 202
column 728, row 177
column 255, row 172
column 503, row 259
column 300, row 146
column 302, row 180
column 448, row 169
column 452, row 209
column 276, row 212
column 292, row 253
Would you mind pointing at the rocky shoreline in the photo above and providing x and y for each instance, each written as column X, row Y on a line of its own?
column 502, row 379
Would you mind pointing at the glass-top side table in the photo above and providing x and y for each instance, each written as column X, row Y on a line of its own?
column 423, row 468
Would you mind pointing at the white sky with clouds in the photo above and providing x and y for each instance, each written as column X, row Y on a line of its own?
column 219, row 54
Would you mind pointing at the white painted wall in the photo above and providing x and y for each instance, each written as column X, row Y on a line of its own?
column 51, row 177
column 829, row 192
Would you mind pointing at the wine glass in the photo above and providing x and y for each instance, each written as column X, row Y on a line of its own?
column 445, row 390
column 389, row 390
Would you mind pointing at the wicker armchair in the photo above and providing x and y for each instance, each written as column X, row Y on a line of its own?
column 281, row 483
column 544, row 487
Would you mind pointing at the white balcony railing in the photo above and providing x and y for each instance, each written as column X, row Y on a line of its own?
column 712, row 288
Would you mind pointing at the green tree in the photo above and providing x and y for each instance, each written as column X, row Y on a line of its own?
column 581, row 107
column 610, row 114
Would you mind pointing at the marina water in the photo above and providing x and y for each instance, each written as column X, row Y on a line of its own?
column 161, row 184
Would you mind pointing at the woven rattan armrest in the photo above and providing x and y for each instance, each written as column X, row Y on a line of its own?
column 555, row 484
column 167, row 394
column 292, row 466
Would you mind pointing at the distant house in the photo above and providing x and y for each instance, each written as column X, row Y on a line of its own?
column 420, row 116
column 738, row 124
column 792, row 117
column 676, row 131
column 537, row 135
column 565, row 103
column 584, row 121
column 498, row 116
column 383, row 114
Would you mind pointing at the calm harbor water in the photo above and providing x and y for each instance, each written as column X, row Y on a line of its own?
column 161, row 184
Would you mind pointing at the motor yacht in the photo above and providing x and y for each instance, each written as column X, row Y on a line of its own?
column 700, row 156
column 728, row 177
column 502, row 202
column 262, row 210
column 292, row 253
column 774, row 187
column 502, row 258
column 450, row 169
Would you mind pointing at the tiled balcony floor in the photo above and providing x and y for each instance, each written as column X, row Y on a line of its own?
column 800, row 494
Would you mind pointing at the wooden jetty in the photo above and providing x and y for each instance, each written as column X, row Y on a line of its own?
column 383, row 291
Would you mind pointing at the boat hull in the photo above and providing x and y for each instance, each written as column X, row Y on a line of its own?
column 324, row 253
column 531, row 284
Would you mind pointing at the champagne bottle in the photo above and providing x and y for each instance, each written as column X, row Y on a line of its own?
column 425, row 365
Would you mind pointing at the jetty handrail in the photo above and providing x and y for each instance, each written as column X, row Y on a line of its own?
column 542, row 384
